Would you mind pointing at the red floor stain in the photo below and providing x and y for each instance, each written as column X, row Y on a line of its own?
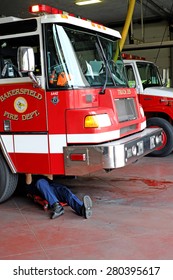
column 149, row 182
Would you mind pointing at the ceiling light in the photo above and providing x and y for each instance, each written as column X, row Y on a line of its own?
column 87, row 2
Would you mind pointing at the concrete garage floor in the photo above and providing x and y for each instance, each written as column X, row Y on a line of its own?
column 132, row 218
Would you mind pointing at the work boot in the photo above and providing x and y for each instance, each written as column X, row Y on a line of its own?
column 86, row 209
column 58, row 210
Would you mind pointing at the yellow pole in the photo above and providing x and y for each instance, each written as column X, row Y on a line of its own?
column 126, row 27
column 127, row 23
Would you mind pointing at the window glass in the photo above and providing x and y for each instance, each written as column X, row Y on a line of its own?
column 130, row 76
column 8, row 55
column 149, row 74
column 80, row 59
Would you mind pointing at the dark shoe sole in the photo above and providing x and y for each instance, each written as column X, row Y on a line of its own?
column 56, row 215
column 88, row 206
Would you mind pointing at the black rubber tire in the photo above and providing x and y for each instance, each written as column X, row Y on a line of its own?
column 8, row 180
column 167, row 147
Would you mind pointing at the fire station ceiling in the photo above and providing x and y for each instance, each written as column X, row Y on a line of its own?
column 109, row 12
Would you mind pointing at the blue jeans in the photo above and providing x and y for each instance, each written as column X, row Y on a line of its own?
column 58, row 193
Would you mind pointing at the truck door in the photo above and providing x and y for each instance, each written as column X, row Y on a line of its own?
column 130, row 76
column 134, row 80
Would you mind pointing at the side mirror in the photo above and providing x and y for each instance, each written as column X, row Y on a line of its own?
column 26, row 63
column 26, row 59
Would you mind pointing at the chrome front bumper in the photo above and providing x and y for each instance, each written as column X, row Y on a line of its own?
column 85, row 159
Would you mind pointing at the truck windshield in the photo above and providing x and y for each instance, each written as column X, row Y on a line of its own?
column 79, row 59
column 149, row 74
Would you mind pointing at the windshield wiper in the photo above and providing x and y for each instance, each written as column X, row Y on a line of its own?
column 106, row 63
column 106, row 70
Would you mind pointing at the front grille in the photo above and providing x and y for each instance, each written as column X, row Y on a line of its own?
column 126, row 109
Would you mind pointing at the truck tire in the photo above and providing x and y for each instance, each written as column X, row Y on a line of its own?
column 8, row 180
column 167, row 146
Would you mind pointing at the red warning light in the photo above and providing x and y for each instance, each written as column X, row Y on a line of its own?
column 44, row 9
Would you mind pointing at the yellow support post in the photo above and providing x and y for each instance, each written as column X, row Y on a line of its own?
column 126, row 26
column 127, row 23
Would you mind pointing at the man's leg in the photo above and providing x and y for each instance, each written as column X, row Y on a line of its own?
column 83, row 208
column 47, row 192
column 44, row 188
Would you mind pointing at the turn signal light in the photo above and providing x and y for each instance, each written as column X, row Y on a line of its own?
column 91, row 121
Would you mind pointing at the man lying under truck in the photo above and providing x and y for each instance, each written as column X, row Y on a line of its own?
column 55, row 194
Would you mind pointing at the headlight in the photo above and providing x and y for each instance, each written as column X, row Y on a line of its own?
column 96, row 121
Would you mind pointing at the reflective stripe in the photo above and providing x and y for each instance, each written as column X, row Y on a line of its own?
column 31, row 144
column 93, row 138
column 54, row 143
column 39, row 144
column 57, row 142
column 8, row 143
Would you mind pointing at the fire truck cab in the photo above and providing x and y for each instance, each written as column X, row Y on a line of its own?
column 65, row 106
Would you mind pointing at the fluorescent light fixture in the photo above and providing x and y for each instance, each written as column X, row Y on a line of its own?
column 87, row 2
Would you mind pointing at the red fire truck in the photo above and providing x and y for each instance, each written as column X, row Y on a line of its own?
column 155, row 98
column 65, row 106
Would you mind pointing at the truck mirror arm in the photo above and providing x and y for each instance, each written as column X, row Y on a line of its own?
column 35, row 80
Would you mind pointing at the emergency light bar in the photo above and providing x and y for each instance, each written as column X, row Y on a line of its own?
column 131, row 56
column 44, row 9
column 41, row 9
